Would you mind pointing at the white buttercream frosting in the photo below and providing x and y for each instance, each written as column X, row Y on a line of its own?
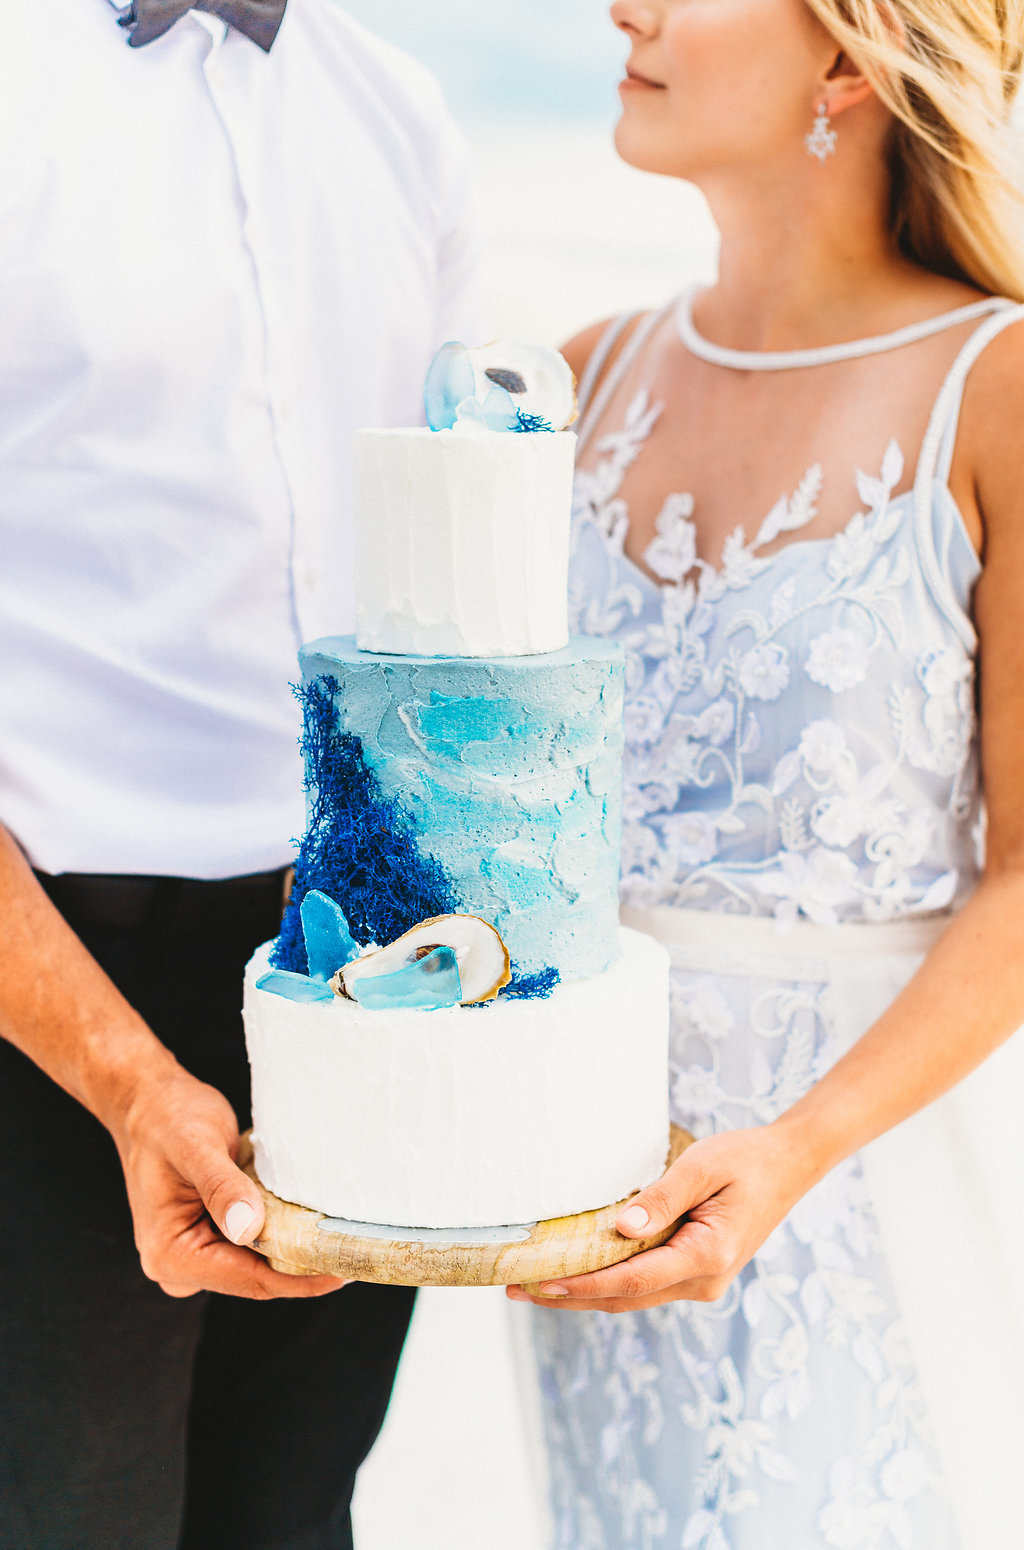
column 462, row 541
column 512, row 1112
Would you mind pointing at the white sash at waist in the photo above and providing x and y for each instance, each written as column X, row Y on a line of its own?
column 690, row 931
column 947, row 1188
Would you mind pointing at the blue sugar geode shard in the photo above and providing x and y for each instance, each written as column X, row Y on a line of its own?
column 329, row 942
column 295, row 987
column 488, row 787
column 427, row 985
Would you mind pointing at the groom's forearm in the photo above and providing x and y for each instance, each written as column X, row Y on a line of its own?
column 59, row 1008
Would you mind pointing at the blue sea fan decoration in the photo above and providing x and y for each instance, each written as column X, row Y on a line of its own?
column 359, row 848
column 361, row 856
column 532, row 987
column 531, row 422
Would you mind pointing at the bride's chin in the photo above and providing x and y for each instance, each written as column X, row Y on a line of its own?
column 632, row 147
column 637, row 150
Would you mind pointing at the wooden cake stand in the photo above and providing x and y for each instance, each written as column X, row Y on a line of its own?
column 295, row 1240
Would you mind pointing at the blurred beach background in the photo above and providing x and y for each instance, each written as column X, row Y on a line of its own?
column 571, row 235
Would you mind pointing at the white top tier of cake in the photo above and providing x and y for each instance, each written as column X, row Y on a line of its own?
column 462, row 541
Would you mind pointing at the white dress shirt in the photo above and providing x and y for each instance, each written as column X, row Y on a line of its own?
column 215, row 263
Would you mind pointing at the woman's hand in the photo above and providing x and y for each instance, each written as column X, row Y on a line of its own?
column 733, row 1190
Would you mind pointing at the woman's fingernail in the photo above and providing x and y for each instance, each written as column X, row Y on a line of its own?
column 635, row 1218
column 516, row 1294
column 554, row 1291
column 238, row 1218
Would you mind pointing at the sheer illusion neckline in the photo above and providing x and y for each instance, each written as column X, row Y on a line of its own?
column 823, row 355
column 789, row 515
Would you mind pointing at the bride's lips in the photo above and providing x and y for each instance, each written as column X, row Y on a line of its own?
column 634, row 81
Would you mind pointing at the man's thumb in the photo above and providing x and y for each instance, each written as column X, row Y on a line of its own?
column 234, row 1202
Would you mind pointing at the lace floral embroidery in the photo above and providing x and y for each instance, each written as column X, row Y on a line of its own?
column 722, row 811
column 731, row 1392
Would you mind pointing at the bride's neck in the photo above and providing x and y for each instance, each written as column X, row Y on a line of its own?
column 803, row 261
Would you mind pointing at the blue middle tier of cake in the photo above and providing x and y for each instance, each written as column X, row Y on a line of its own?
column 484, row 787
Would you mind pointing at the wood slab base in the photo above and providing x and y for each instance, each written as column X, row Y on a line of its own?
column 293, row 1242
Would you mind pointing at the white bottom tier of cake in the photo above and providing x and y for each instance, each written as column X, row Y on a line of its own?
column 469, row 1116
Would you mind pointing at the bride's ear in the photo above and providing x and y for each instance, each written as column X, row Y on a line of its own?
column 845, row 86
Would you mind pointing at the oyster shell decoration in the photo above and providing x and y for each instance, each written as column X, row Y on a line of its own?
column 503, row 386
column 539, row 380
column 459, row 957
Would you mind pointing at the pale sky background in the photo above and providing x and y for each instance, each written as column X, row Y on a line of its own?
column 572, row 234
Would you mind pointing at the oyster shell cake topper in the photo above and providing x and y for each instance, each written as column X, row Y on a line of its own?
column 449, row 960
column 503, row 386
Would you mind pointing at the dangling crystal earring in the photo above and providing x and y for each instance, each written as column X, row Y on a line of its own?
column 821, row 141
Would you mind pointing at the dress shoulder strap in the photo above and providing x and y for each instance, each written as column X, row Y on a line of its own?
column 598, row 359
column 595, row 391
column 936, row 460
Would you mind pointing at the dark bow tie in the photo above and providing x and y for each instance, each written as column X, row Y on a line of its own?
column 149, row 19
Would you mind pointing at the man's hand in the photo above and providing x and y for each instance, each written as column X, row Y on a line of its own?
column 178, row 1144
column 178, row 1138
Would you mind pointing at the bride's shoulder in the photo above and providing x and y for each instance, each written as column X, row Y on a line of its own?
column 989, row 433
column 581, row 346
column 602, row 343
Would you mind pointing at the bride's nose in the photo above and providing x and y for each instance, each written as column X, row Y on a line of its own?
column 638, row 18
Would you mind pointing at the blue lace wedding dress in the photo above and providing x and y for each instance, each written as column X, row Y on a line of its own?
column 801, row 816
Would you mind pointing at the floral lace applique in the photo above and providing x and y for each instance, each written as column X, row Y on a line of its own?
column 730, row 1393
column 718, row 811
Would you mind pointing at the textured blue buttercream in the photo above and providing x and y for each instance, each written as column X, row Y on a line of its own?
column 507, row 773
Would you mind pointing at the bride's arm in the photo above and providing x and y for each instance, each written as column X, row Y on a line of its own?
column 966, row 999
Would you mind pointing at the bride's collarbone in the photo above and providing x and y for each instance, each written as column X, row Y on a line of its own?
column 734, row 460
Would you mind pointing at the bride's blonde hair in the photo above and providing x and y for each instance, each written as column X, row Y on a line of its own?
column 948, row 70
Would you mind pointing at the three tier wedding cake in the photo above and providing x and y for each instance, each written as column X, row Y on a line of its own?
column 452, row 1029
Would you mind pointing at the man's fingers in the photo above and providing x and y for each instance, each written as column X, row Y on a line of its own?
column 242, row 1222
column 230, row 1196
column 237, row 1272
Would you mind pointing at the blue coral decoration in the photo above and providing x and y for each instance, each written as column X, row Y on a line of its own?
column 359, row 847
column 531, row 422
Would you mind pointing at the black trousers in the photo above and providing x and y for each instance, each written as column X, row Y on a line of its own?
column 130, row 1420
